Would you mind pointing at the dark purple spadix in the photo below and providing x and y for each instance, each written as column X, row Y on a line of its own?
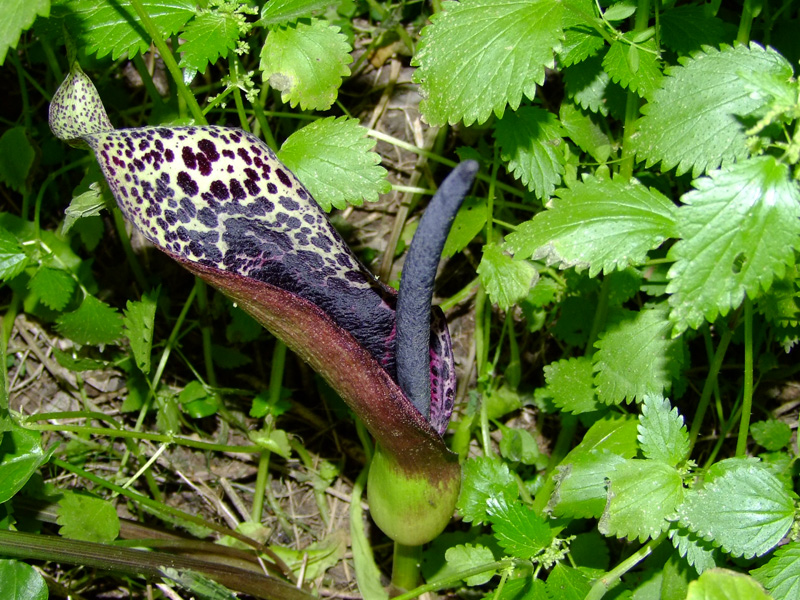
column 418, row 367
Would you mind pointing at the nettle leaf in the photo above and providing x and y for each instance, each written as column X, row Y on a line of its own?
column 693, row 121
column 333, row 158
column 634, row 67
column 17, row 154
column 21, row 454
column 13, row 259
column 745, row 510
column 685, row 29
column 771, row 434
column 662, row 432
column 506, row 280
column 53, row 287
column 566, row 583
column 87, row 518
column 18, row 16
column 209, row 36
column 103, row 27
column 581, row 39
column 722, row 584
column 278, row 12
column 580, row 491
column 519, row 530
column 94, row 322
column 467, row 556
column 484, row 478
column 642, row 494
column 469, row 222
column 781, row 575
column 88, row 204
column 635, row 356
column 306, row 63
column 569, row 383
column 529, row 140
column 700, row 554
column 585, row 132
column 614, row 433
column 138, row 321
column 588, row 85
column 739, row 228
column 477, row 56
column 21, row 581
column 601, row 225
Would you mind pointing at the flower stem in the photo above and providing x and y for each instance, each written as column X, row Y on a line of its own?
column 405, row 566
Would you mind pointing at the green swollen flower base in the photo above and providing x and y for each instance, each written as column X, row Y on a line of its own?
column 411, row 509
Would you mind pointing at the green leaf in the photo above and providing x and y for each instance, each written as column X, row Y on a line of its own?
column 635, row 356
column 468, row 223
column 334, row 160
column 585, row 132
column 771, row 434
column 781, row 575
column 642, row 494
column 95, row 322
column 209, row 36
column 306, row 63
column 88, row 204
column 54, row 287
column 520, row 588
column 529, row 140
column 519, row 530
column 641, row 75
column 13, row 259
column 73, row 362
column 566, row 583
column 569, row 383
column 467, row 556
column 138, row 321
column 17, row 155
column 739, row 229
column 87, row 518
column 518, row 445
column 197, row 402
column 686, row 29
column 483, row 478
column 662, row 433
column 581, row 39
column 263, row 404
column 21, row 454
column 692, row 120
column 18, row 16
column 279, row 12
column 315, row 559
column 698, row 553
column 198, row 584
column 477, row 56
column 103, row 27
column 599, row 224
column 615, row 433
column 588, row 85
column 580, row 491
column 507, row 281
column 275, row 441
column 721, row 584
column 21, row 581
column 745, row 509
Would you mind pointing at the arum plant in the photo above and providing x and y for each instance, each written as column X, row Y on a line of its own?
column 219, row 202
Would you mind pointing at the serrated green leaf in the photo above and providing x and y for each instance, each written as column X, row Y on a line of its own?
column 507, row 281
column 722, row 584
column 642, row 494
column 17, row 154
column 18, row 16
column 698, row 553
column 54, row 287
column 642, row 74
column 585, row 132
column 771, row 434
column 569, row 383
column 334, row 160
column 635, row 356
column 13, row 259
column 306, row 63
column 590, row 550
column 520, row 588
column 87, row 518
column 477, row 56
column 138, row 321
column 529, row 140
column 781, row 575
column 468, row 223
column 739, row 229
column 94, row 322
column 685, row 29
column 21, row 453
column 745, row 510
column 580, row 490
column 88, row 204
column 601, row 225
column 692, row 121
column 20, row 580
column 102, row 27
column 483, row 478
column 566, row 583
column 581, row 39
column 588, row 85
column 209, row 36
column 467, row 556
column 279, row 12
column 615, row 433
column 519, row 530
column 662, row 433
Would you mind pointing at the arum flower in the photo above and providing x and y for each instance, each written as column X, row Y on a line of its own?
column 219, row 202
